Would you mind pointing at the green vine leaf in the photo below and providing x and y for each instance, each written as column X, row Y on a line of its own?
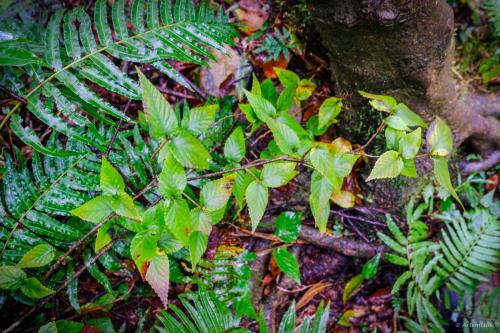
column 278, row 174
column 410, row 118
column 198, row 242
column 328, row 111
column 257, row 197
column 94, row 210
column 234, row 148
column 199, row 120
column 172, row 180
column 189, row 151
column 111, row 181
column 39, row 256
column 409, row 144
column 287, row 263
column 388, row 165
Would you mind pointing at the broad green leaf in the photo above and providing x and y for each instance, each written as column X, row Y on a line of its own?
column 286, row 138
column 257, row 197
column 440, row 138
column 287, row 263
column 288, row 226
column 287, row 324
column 201, row 221
column 380, row 102
column 103, row 238
column 198, row 242
column 111, row 181
column 168, row 243
column 409, row 169
column 319, row 200
column 159, row 114
column 304, row 90
column 94, row 210
column 388, row 165
column 32, row 288
column 287, row 78
column 172, row 180
column 352, row 287
column 157, row 275
column 370, row 268
column 262, row 107
column 443, row 176
column 11, row 277
column 396, row 123
column 234, row 148
column 277, row 174
column 199, row 119
column 215, row 194
column 328, row 111
column 241, row 182
column 410, row 118
column 142, row 249
column 123, row 205
column 392, row 138
column 344, row 199
column 285, row 99
column 343, row 163
column 40, row 255
column 409, row 144
column 269, row 91
column 189, row 151
column 322, row 160
column 50, row 327
column 178, row 220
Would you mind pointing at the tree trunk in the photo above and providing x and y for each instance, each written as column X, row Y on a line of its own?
column 401, row 48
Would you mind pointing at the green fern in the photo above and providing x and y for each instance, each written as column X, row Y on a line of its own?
column 206, row 312
column 179, row 31
column 464, row 258
column 492, row 8
column 34, row 197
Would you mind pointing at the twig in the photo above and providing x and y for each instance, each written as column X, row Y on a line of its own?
column 117, row 129
column 379, row 129
column 354, row 217
column 347, row 247
column 246, row 166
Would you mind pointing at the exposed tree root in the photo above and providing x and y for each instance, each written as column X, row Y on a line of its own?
column 346, row 247
column 490, row 161
column 486, row 105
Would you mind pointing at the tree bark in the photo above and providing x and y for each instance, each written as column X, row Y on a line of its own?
column 402, row 48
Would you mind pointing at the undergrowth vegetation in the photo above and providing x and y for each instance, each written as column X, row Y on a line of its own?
column 131, row 198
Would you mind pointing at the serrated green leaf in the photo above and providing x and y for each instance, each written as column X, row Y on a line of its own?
column 40, row 255
column 103, row 238
column 94, row 210
column 234, row 148
column 178, row 220
column 123, row 205
column 11, row 277
column 198, row 242
column 215, row 194
column 288, row 226
column 278, row 174
column 409, row 144
column 111, row 181
column 396, row 123
column 409, row 169
column 157, row 276
column 143, row 249
column 319, row 200
column 388, row 165
column 33, row 288
column 287, row 263
column 189, row 151
column 410, row 118
column 257, row 197
column 440, row 138
column 172, row 180
column 199, row 119
column 328, row 111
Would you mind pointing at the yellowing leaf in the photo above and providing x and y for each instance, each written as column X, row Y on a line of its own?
column 304, row 89
column 440, row 138
column 344, row 199
column 388, row 165
column 352, row 287
column 40, row 255
column 111, row 181
column 157, row 276
column 215, row 194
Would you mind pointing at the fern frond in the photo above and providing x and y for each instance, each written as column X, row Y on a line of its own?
column 492, row 8
column 179, row 31
column 470, row 250
column 205, row 314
